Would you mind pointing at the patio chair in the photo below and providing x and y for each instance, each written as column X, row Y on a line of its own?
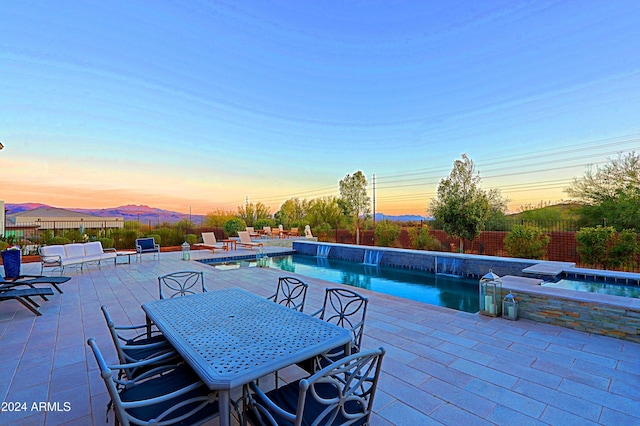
column 181, row 284
column 30, row 280
column 24, row 295
column 267, row 231
column 341, row 393
column 176, row 397
column 147, row 245
column 142, row 346
column 290, row 292
column 344, row 308
column 294, row 232
column 209, row 241
column 245, row 240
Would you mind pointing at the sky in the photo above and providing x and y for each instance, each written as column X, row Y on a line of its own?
column 200, row 105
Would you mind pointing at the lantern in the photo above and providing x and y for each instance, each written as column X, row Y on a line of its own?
column 510, row 307
column 186, row 253
column 490, row 294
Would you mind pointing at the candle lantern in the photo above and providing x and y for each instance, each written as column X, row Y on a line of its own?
column 490, row 294
column 186, row 251
column 510, row 307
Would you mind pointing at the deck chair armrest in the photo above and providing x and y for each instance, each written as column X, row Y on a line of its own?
column 51, row 259
column 316, row 313
column 282, row 413
column 108, row 250
column 154, row 359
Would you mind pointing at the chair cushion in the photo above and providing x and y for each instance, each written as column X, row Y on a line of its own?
column 75, row 250
column 163, row 385
column 286, row 397
column 56, row 250
column 93, row 248
column 146, row 243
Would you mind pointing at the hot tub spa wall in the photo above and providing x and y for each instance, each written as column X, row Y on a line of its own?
column 474, row 266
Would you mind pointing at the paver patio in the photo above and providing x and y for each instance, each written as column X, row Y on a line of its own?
column 442, row 366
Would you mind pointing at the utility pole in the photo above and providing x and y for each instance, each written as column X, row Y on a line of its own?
column 373, row 180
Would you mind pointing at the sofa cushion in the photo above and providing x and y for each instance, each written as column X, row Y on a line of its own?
column 75, row 250
column 56, row 250
column 93, row 249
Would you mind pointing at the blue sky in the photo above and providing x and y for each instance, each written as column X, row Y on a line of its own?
column 201, row 105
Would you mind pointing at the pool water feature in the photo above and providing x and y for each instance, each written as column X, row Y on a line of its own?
column 440, row 290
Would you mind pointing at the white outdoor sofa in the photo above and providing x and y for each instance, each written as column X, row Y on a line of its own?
column 59, row 256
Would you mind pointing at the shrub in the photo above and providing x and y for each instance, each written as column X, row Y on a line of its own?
column 605, row 247
column 232, row 226
column 106, row 242
column 59, row 240
column 261, row 223
column 191, row 239
column 526, row 241
column 156, row 237
column 3, row 245
column 387, row 233
column 421, row 239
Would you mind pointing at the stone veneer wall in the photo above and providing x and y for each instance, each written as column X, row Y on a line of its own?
column 594, row 313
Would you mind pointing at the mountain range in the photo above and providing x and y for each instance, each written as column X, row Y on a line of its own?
column 153, row 215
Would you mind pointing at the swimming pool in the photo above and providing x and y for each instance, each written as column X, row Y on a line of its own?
column 596, row 287
column 440, row 290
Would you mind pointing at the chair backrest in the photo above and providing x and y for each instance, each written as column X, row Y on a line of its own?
column 250, row 229
column 244, row 236
column 342, row 392
column 294, row 231
column 267, row 230
column 209, row 238
column 347, row 309
column 181, row 284
column 291, row 292
column 146, row 243
column 307, row 231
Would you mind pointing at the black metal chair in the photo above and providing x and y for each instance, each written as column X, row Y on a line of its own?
column 140, row 344
column 176, row 397
column 344, row 308
column 290, row 292
column 341, row 393
column 181, row 284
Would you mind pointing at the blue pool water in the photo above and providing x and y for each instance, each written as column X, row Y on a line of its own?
column 440, row 290
column 596, row 287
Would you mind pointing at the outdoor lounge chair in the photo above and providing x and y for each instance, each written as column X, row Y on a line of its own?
column 209, row 241
column 341, row 393
column 294, row 232
column 24, row 295
column 245, row 240
column 266, row 231
column 147, row 245
column 177, row 396
column 30, row 280
column 181, row 283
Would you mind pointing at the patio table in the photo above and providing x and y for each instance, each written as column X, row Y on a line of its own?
column 231, row 337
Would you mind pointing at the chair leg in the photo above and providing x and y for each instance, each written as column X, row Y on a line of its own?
column 28, row 306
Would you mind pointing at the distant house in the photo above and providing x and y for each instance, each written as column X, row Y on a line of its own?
column 28, row 223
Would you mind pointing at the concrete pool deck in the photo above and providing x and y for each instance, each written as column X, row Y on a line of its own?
column 442, row 366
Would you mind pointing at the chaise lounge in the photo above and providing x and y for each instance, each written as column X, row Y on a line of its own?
column 24, row 295
column 209, row 241
column 245, row 240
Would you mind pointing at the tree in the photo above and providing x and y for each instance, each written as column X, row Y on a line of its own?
column 292, row 212
column 461, row 206
column 218, row 217
column 354, row 198
column 526, row 241
column 387, row 233
column 421, row 239
column 611, row 192
column 250, row 213
column 603, row 246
